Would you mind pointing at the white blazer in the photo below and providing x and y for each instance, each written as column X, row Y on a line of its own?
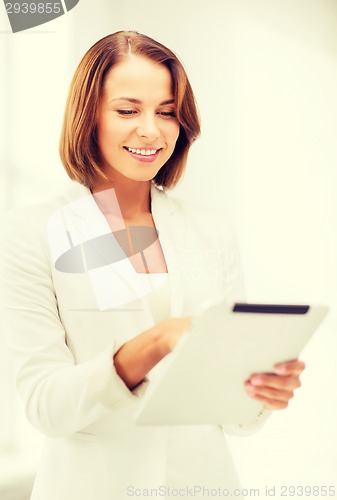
column 63, row 329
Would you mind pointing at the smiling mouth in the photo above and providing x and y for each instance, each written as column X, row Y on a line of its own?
column 142, row 152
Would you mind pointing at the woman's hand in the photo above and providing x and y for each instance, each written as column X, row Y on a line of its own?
column 172, row 329
column 140, row 354
column 275, row 390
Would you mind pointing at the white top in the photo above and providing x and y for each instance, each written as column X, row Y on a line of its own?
column 159, row 299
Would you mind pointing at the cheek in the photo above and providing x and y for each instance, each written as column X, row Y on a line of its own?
column 173, row 132
column 112, row 134
column 103, row 134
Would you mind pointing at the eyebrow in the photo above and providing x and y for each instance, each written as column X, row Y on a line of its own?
column 137, row 101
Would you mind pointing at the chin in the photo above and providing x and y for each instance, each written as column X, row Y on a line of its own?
column 143, row 176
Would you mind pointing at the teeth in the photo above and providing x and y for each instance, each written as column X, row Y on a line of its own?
column 142, row 152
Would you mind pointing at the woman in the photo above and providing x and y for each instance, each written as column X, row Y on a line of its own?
column 95, row 299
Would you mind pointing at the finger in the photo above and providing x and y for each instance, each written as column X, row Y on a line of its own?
column 272, row 404
column 269, row 394
column 293, row 367
column 276, row 381
column 268, row 402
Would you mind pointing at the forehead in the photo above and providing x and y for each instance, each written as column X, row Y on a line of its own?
column 140, row 78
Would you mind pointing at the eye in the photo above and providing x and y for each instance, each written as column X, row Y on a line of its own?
column 167, row 113
column 126, row 112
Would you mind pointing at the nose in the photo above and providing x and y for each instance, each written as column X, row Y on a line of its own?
column 148, row 128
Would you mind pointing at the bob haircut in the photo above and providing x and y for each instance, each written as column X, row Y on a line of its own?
column 79, row 150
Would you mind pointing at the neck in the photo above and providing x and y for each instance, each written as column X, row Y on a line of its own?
column 133, row 197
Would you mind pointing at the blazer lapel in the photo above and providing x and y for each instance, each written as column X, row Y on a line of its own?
column 115, row 284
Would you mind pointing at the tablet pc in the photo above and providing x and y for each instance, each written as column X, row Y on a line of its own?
column 203, row 378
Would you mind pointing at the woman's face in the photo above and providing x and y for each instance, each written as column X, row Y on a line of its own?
column 137, row 127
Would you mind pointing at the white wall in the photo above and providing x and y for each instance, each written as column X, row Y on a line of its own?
column 265, row 77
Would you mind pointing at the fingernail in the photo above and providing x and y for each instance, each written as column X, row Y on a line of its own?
column 280, row 369
column 250, row 389
column 256, row 380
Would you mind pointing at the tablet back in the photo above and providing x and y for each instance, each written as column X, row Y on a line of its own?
column 203, row 381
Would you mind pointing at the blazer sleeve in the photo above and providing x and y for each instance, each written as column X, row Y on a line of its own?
column 249, row 428
column 60, row 397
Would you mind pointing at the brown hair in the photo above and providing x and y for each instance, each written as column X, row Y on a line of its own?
column 78, row 144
